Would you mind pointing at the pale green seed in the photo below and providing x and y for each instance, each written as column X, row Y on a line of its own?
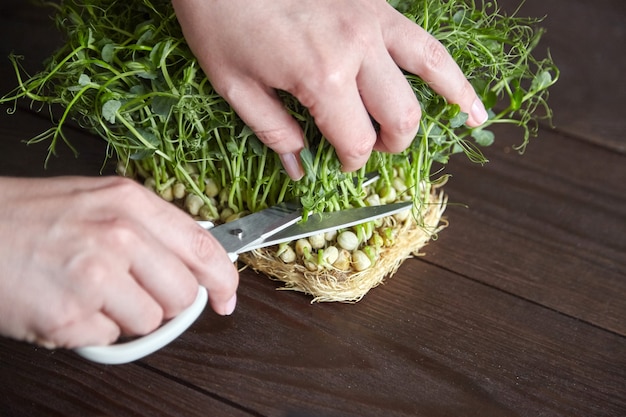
column 193, row 204
column 179, row 190
column 317, row 241
column 348, row 240
column 360, row 261
column 303, row 247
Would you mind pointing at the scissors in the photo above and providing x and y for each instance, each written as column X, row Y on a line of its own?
column 264, row 228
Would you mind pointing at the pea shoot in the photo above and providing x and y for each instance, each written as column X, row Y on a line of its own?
column 126, row 74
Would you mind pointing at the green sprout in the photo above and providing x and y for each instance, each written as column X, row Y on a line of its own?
column 126, row 74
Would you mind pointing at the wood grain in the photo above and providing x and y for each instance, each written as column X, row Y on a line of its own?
column 429, row 343
column 88, row 156
column 37, row 382
column 518, row 309
column 587, row 43
column 553, row 233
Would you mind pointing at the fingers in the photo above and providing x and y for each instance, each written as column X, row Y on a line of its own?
column 185, row 254
column 136, row 283
column 391, row 102
column 338, row 112
column 337, row 107
column 167, row 253
column 263, row 111
column 168, row 281
column 96, row 330
column 213, row 268
column 415, row 50
column 110, row 257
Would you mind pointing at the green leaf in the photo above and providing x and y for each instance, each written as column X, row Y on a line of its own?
column 146, row 37
column 483, row 137
column 246, row 132
column 148, row 75
column 142, row 154
column 108, row 51
column 162, row 105
column 458, row 120
column 459, row 17
column 517, row 96
column 308, row 202
column 138, row 90
column 232, row 147
column 84, row 80
column 306, row 157
column 452, row 110
column 256, row 145
column 148, row 139
column 109, row 110
column 490, row 99
column 541, row 81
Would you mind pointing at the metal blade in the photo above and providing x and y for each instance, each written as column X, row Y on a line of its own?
column 254, row 229
column 236, row 235
column 325, row 222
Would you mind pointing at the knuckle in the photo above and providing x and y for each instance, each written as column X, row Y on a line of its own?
column 118, row 234
column 358, row 152
column 361, row 32
column 227, row 89
column 116, row 192
column 111, row 335
column 435, row 56
column 277, row 139
column 361, row 148
column 203, row 245
column 230, row 87
column 466, row 93
column 320, row 80
column 125, row 189
column 229, row 286
column 90, row 273
column 188, row 296
column 152, row 318
column 117, row 182
column 405, row 127
column 54, row 325
column 185, row 296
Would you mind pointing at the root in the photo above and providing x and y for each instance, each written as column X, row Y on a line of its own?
column 335, row 285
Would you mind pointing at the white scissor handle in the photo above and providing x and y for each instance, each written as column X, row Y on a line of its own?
column 136, row 349
column 120, row 353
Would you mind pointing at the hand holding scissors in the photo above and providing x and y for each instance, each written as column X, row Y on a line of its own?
column 267, row 227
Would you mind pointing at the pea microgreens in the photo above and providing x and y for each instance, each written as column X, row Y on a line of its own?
column 126, row 74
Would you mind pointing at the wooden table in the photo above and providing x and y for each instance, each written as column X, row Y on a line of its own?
column 518, row 309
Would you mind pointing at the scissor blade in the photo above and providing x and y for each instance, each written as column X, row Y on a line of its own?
column 236, row 235
column 325, row 222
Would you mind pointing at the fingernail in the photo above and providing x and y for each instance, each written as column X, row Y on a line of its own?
column 230, row 306
column 291, row 163
column 47, row 344
column 479, row 114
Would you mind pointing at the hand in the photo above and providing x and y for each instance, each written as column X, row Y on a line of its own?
column 83, row 260
column 341, row 60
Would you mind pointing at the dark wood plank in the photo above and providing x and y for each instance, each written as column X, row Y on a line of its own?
column 517, row 309
column 413, row 348
column 26, row 30
column 37, row 382
column 20, row 159
column 548, row 226
column 586, row 40
column 430, row 343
